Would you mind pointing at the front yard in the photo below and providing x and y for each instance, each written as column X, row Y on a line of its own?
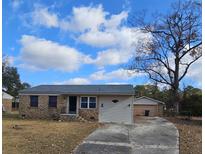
column 190, row 132
column 44, row 136
column 41, row 136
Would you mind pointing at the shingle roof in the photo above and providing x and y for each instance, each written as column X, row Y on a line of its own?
column 145, row 97
column 81, row 89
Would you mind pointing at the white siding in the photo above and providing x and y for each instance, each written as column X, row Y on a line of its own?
column 120, row 112
column 6, row 96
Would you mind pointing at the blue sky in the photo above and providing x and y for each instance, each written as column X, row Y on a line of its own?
column 64, row 42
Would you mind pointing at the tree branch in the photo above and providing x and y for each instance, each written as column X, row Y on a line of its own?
column 190, row 50
column 188, row 65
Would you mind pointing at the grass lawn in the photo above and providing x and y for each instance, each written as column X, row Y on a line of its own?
column 41, row 136
column 190, row 132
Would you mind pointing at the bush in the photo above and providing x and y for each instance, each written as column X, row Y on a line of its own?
column 192, row 104
column 55, row 116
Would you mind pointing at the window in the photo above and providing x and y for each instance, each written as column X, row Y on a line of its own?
column 52, row 101
column 92, row 102
column 15, row 105
column 88, row 102
column 84, row 102
column 34, row 101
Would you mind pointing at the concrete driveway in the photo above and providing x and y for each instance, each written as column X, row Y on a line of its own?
column 151, row 135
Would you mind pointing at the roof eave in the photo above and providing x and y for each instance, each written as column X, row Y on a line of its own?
column 38, row 93
column 150, row 99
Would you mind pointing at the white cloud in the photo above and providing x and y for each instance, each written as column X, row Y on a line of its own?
column 84, row 18
column 195, row 71
column 15, row 4
column 115, row 20
column 41, row 16
column 43, row 54
column 111, row 57
column 98, row 39
column 116, row 83
column 98, row 28
column 92, row 18
column 120, row 74
column 108, row 32
column 94, row 27
column 110, row 35
column 30, row 67
column 123, row 49
column 122, row 37
column 9, row 60
column 76, row 81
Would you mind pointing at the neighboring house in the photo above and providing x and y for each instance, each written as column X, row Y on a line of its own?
column 7, row 100
column 145, row 106
column 103, row 103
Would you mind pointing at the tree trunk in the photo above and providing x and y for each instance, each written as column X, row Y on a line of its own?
column 176, row 85
column 176, row 100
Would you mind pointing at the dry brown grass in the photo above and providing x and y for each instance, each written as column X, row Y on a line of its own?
column 190, row 132
column 41, row 136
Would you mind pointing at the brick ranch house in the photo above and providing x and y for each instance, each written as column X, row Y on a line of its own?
column 103, row 103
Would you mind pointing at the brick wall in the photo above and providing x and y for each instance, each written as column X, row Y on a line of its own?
column 160, row 110
column 139, row 110
column 155, row 110
column 42, row 111
column 89, row 114
column 7, row 103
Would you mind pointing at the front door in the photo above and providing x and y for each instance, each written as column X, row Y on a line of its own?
column 72, row 104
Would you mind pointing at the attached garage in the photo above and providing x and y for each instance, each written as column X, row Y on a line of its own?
column 145, row 106
column 116, row 109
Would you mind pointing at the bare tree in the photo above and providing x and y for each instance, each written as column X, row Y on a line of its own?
column 174, row 47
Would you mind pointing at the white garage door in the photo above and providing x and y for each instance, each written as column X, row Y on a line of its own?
column 115, row 109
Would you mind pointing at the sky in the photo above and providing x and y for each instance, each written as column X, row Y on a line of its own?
column 78, row 42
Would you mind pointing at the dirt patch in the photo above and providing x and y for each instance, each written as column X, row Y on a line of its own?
column 41, row 136
column 190, row 132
